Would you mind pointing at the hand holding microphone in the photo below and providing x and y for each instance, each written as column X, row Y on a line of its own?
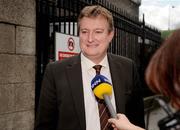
column 102, row 89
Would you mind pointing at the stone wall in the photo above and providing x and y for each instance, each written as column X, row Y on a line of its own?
column 127, row 5
column 17, row 64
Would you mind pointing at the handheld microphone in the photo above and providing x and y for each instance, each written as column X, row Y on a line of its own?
column 102, row 89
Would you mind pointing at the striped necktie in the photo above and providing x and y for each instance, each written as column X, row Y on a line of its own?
column 104, row 114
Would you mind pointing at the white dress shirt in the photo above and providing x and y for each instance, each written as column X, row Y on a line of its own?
column 91, row 105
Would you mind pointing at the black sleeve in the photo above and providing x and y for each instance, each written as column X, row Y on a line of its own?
column 46, row 118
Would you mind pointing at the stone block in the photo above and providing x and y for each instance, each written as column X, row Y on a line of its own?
column 17, row 69
column 25, row 40
column 6, row 121
column 25, row 68
column 21, row 12
column 7, row 38
column 7, row 63
column 24, row 120
column 7, row 98
column 24, row 96
column 127, row 5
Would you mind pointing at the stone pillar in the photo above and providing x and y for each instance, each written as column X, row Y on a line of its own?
column 127, row 5
column 17, row 64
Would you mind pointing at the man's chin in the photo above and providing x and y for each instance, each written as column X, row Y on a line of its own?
column 91, row 54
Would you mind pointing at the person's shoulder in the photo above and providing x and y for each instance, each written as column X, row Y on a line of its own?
column 121, row 59
column 64, row 62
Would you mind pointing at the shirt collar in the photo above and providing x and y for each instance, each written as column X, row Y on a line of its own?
column 90, row 64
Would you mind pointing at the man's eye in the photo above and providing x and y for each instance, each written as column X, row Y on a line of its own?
column 84, row 31
column 99, row 32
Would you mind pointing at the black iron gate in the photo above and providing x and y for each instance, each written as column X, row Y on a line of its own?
column 61, row 16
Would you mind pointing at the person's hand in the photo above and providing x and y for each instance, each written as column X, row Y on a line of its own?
column 122, row 123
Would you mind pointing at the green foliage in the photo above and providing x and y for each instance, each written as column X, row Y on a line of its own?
column 166, row 33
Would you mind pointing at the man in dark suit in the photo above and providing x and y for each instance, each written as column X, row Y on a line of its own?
column 67, row 101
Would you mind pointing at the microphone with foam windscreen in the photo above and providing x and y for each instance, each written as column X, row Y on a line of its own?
column 102, row 89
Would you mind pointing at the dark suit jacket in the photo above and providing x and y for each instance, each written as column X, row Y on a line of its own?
column 61, row 104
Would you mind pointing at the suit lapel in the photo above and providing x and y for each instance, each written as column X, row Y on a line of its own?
column 76, row 86
column 75, row 79
column 118, row 83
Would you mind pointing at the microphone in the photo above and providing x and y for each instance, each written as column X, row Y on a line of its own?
column 102, row 89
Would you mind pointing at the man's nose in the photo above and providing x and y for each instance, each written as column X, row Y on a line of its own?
column 90, row 37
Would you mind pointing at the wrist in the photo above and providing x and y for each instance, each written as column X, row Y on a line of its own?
column 134, row 127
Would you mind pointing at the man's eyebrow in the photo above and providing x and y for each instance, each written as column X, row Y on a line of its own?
column 99, row 29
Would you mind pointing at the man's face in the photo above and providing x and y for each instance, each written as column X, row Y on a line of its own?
column 94, row 37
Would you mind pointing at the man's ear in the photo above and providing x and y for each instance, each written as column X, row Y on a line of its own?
column 111, row 35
